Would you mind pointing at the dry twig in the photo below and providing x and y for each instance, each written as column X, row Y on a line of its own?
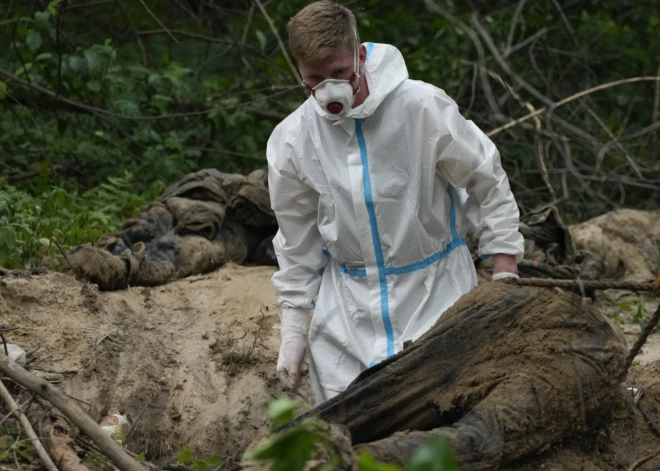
column 483, row 76
column 571, row 98
column 25, row 423
column 72, row 411
column 294, row 70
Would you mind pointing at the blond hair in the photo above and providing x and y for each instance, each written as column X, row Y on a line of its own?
column 320, row 28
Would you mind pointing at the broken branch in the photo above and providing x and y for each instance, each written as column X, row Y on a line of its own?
column 25, row 423
column 573, row 97
column 71, row 410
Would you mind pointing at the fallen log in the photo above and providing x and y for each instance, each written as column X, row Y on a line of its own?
column 506, row 372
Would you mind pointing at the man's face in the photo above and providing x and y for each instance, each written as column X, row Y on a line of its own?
column 338, row 65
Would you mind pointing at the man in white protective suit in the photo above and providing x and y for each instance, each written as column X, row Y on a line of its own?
column 364, row 179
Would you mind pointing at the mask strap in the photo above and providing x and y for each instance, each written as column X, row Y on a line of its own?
column 356, row 64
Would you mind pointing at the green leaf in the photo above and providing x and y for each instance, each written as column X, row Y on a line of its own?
column 53, row 6
column 45, row 242
column 621, row 411
column 201, row 465
column 93, row 59
column 214, row 461
column 186, row 454
column 23, row 69
column 434, row 456
column 33, row 40
column 141, row 458
column 261, row 37
column 41, row 19
column 3, row 90
column 288, row 451
column 44, row 56
column 94, row 85
column 624, row 307
column 25, row 453
column 7, row 237
column 281, row 411
column 367, row 463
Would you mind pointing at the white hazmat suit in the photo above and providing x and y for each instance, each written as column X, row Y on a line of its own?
column 370, row 222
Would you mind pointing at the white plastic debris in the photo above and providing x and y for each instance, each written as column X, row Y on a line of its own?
column 117, row 425
column 16, row 353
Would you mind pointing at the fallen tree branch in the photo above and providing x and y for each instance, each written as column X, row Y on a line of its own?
column 25, row 423
column 641, row 340
column 571, row 98
column 72, row 411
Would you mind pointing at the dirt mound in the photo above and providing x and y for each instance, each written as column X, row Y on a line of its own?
column 199, row 354
column 628, row 240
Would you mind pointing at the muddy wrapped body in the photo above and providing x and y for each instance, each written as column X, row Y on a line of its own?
column 210, row 218
column 205, row 220
column 506, row 372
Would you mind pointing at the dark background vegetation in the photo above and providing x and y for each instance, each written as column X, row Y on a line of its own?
column 105, row 102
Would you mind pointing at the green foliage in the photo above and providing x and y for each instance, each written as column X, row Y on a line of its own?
column 13, row 448
column 29, row 225
column 186, row 457
column 641, row 315
column 291, row 448
column 434, row 456
column 91, row 101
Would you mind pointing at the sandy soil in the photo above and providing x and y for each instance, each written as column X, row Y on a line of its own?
column 198, row 353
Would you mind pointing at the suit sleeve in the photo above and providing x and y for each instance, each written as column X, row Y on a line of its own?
column 298, row 244
column 468, row 159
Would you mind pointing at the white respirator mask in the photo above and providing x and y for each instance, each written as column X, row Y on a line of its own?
column 336, row 96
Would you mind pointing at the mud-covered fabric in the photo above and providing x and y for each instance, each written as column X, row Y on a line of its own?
column 205, row 220
column 209, row 218
column 504, row 373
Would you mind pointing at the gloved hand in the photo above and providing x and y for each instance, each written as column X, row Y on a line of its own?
column 292, row 346
column 504, row 274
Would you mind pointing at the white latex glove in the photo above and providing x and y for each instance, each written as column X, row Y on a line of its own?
column 504, row 274
column 292, row 346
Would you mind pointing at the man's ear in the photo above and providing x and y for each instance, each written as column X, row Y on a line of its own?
column 362, row 55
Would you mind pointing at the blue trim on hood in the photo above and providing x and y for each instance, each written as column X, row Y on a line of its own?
column 370, row 49
column 378, row 248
